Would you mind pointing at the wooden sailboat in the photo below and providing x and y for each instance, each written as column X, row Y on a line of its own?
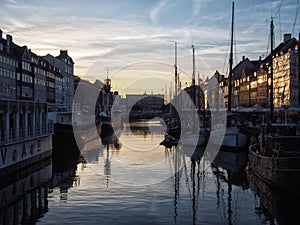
column 275, row 156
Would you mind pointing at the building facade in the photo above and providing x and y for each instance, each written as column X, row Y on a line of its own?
column 8, row 67
column 251, row 81
column 27, row 76
column 65, row 64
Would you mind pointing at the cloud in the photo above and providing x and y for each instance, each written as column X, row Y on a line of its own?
column 96, row 43
column 196, row 7
column 154, row 14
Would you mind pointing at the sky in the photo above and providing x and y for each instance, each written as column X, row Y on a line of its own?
column 132, row 41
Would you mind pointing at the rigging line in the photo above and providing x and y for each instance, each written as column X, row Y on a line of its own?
column 295, row 20
column 235, row 54
column 278, row 10
column 279, row 25
column 268, row 44
column 225, row 61
column 226, row 55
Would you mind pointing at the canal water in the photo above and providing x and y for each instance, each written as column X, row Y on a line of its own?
column 131, row 179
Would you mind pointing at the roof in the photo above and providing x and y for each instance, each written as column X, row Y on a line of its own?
column 283, row 47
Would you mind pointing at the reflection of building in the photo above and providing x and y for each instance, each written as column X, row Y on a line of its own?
column 275, row 207
column 26, row 200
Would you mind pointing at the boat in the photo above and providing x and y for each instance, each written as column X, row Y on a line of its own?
column 169, row 141
column 198, row 138
column 234, row 139
column 25, row 135
column 105, row 112
column 275, row 156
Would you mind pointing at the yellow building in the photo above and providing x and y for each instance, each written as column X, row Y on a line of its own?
column 286, row 73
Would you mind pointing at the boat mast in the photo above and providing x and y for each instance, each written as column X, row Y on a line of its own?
column 271, row 73
column 193, row 77
column 176, row 72
column 193, row 88
column 230, row 61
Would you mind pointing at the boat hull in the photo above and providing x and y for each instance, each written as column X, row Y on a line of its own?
column 231, row 142
column 280, row 172
column 19, row 155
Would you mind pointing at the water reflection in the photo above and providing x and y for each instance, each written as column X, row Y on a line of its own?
column 191, row 190
column 188, row 172
column 65, row 176
column 274, row 206
column 26, row 200
column 229, row 168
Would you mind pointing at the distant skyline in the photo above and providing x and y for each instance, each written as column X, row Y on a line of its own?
column 134, row 40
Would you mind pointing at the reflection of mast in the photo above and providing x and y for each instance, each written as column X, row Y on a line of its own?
column 229, row 210
column 107, row 165
column 218, row 189
column 193, row 165
column 176, row 182
column 220, row 175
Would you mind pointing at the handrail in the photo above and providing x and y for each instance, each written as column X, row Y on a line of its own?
column 12, row 136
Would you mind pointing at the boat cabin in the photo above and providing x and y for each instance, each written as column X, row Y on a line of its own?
column 279, row 139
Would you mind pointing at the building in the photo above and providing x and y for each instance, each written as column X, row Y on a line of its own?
column 217, row 91
column 286, row 73
column 8, row 67
column 27, row 76
column 262, row 86
column 244, row 65
column 144, row 102
column 65, row 64
column 248, row 87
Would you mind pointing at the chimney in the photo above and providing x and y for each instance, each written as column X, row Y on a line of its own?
column 64, row 52
column 8, row 39
column 286, row 37
column 8, row 42
column 243, row 58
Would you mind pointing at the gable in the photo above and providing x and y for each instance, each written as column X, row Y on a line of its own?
column 25, row 55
